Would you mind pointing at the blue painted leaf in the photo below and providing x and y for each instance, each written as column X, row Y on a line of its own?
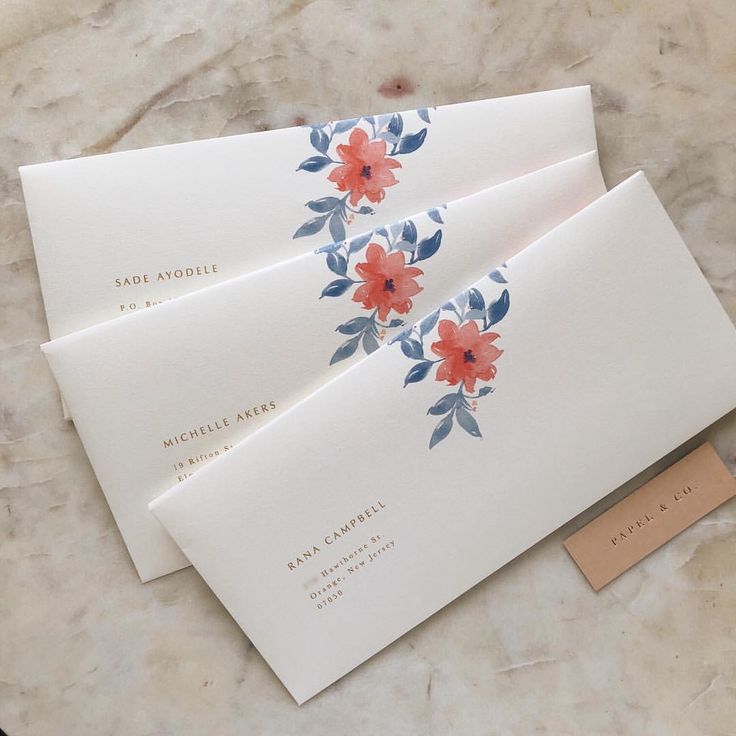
column 467, row 421
column 388, row 137
column 336, row 288
column 497, row 310
column 337, row 227
column 475, row 314
column 485, row 391
column 396, row 125
column 352, row 326
column 370, row 345
column 319, row 140
column 441, row 431
column 345, row 350
column 336, row 262
column 357, row 244
column 443, row 405
column 331, row 248
column 383, row 119
column 370, row 119
column 424, row 114
column 405, row 245
column 396, row 229
column 462, row 299
column 313, row 163
column 343, row 125
column 365, row 210
column 428, row 323
column 418, row 372
column 409, row 232
column 382, row 232
column 429, row 246
column 410, row 143
column 396, row 323
column 325, row 204
column 310, row 227
column 476, row 300
column 497, row 276
column 412, row 348
column 400, row 337
column 434, row 214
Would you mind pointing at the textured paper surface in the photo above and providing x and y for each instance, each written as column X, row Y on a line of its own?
column 222, row 361
column 650, row 516
column 593, row 326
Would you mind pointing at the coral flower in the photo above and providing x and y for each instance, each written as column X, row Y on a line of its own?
column 365, row 171
column 389, row 282
column 467, row 354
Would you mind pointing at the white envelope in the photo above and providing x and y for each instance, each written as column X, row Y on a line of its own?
column 236, row 204
column 335, row 528
column 158, row 393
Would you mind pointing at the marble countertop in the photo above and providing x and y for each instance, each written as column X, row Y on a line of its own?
column 84, row 647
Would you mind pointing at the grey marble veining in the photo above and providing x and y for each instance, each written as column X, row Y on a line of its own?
column 84, row 647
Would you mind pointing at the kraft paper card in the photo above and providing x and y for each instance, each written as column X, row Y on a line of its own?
column 119, row 232
column 650, row 516
column 158, row 393
column 408, row 479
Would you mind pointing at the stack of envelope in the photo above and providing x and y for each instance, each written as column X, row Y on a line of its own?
column 387, row 355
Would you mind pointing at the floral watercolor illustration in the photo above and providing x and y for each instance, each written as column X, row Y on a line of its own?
column 388, row 283
column 363, row 154
column 366, row 171
column 382, row 280
column 466, row 353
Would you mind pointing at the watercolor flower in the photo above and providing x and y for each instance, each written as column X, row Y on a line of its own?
column 389, row 282
column 467, row 354
column 361, row 166
column 365, row 171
